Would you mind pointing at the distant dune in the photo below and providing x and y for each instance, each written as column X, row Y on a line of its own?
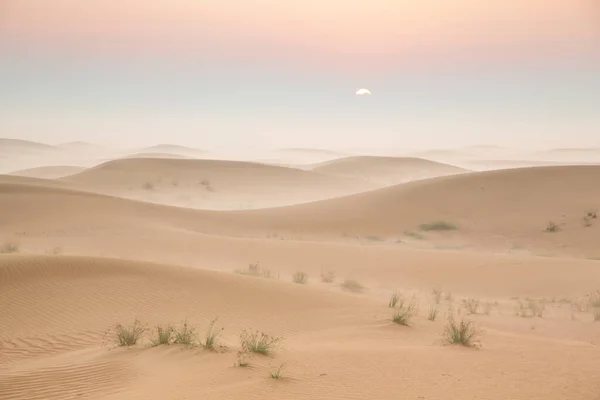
column 386, row 170
column 24, row 145
column 213, row 184
column 50, row 172
column 171, row 149
column 156, row 155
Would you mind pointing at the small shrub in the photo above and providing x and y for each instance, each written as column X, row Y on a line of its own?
column 278, row 373
column 594, row 300
column 552, row 227
column 185, row 335
column 256, row 270
column 596, row 314
column 403, row 314
column 437, row 295
column 211, row 336
column 531, row 309
column 462, row 333
column 327, row 277
column 433, row 312
column 591, row 214
column 352, row 285
column 163, row 335
column 131, row 334
column 587, row 221
column 393, row 299
column 243, row 359
column 148, row 186
column 438, row 226
column 8, row 248
column 414, row 235
column 373, row 238
column 471, row 305
column 300, row 277
column 258, row 342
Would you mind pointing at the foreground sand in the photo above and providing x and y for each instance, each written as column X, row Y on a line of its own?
column 87, row 262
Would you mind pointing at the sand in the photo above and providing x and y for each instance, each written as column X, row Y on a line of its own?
column 50, row 172
column 86, row 259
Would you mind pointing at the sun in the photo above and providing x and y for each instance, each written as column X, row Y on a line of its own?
column 362, row 92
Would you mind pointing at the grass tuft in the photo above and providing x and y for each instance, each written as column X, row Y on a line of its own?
column 300, row 278
column 278, row 373
column 393, row 299
column 211, row 337
column 9, row 247
column 327, row 277
column 438, row 226
column 532, row 308
column 129, row 335
column 415, row 235
column 162, row 336
column 433, row 313
column 352, row 285
column 185, row 334
column 258, row 342
column 403, row 314
column 471, row 305
column 256, row 270
column 552, row 227
column 461, row 333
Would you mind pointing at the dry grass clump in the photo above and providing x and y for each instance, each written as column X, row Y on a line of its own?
column 532, row 308
column 278, row 373
column 414, row 235
column 433, row 313
column 327, row 277
column 129, row 335
column 552, row 227
column 243, row 359
column 148, row 186
column 403, row 314
column 211, row 337
column 185, row 335
column 594, row 300
column 9, row 247
column 300, row 278
column 461, row 333
column 258, row 342
column 438, row 226
column 162, row 335
column 352, row 285
column 393, row 299
column 471, row 305
column 256, row 270
column 596, row 314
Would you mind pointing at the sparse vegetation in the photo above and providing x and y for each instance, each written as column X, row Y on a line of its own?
column 414, row 235
column 129, row 335
column 211, row 336
column 278, row 373
column 596, row 314
column 243, row 359
column 258, row 342
column 162, row 335
column 587, row 221
column 487, row 307
column 591, row 214
column 552, row 227
column 462, row 333
column 438, row 226
column 148, row 186
column 437, row 295
column 433, row 312
column 373, row 238
column 532, row 308
column 300, row 278
column 257, row 270
column 594, row 300
column 471, row 305
column 9, row 247
column 327, row 277
column 393, row 299
column 185, row 334
column 352, row 285
column 403, row 314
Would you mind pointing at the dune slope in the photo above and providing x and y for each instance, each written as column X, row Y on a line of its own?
column 386, row 170
column 212, row 184
column 50, row 172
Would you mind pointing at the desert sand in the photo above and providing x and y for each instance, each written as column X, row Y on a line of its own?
column 512, row 251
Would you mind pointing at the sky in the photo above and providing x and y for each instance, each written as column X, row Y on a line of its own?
column 283, row 73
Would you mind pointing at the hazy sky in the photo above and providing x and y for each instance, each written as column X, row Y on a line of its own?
column 282, row 73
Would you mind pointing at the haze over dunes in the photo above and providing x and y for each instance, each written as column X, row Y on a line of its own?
column 214, row 184
column 386, row 170
column 50, row 172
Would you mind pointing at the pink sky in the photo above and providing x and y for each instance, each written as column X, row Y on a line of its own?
column 329, row 30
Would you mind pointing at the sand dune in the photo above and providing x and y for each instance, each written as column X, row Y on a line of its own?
column 50, row 172
column 18, row 145
column 386, row 170
column 156, row 155
column 332, row 343
column 213, row 184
